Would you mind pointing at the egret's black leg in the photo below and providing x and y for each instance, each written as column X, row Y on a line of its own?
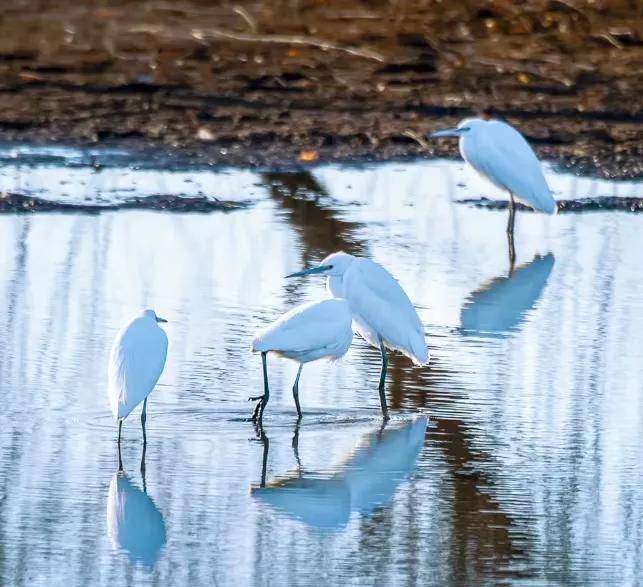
column 510, row 233
column 295, row 391
column 383, row 380
column 257, row 414
column 120, row 460
column 143, row 420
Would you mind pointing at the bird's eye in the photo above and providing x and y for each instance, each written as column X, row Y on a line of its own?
column 330, row 266
column 466, row 129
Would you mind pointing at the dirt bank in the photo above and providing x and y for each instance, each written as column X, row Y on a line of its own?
column 279, row 82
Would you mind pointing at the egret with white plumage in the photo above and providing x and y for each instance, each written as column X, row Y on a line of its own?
column 309, row 332
column 381, row 311
column 498, row 152
column 135, row 365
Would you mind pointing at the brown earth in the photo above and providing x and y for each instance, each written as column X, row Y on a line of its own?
column 315, row 80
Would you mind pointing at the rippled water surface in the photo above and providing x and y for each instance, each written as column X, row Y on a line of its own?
column 516, row 456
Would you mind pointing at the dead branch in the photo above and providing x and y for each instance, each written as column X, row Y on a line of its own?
column 200, row 34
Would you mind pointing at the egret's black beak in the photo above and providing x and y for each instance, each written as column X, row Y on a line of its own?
column 159, row 319
column 445, row 132
column 312, row 271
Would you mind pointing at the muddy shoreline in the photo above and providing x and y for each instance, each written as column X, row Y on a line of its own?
column 280, row 85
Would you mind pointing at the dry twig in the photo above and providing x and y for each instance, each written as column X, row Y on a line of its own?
column 200, row 34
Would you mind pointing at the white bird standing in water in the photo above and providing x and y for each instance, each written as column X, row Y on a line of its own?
column 135, row 365
column 307, row 333
column 382, row 313
column 498, row 152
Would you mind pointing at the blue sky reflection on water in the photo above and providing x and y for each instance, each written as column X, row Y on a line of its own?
column 530, row 468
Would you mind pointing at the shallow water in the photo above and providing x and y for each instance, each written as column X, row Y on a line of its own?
column 528, row 469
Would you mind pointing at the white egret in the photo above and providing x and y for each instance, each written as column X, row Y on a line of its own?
column 307, row 333
column 135, row 365
column 498, row 152
column 382, row 313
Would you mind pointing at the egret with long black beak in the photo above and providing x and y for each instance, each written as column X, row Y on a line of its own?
column 382, row 313
column 498, row 152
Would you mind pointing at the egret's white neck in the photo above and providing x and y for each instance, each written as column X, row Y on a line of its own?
column 335, row 286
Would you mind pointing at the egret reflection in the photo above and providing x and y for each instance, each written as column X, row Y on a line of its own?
column 500, row 306
column 134, row 524
column 367, row 479
column 324, row 504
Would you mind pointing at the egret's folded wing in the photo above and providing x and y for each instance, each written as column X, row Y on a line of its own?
column 309, row 326
column 136, row 363
column 375, row 295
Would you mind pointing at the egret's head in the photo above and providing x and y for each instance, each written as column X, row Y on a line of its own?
column 335, row 265
column 151, row 314
column 464, row 127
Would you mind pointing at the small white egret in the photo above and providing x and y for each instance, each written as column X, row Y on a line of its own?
column 498, row 152
column 135, row 365
column 306, row 333
column 382, row 313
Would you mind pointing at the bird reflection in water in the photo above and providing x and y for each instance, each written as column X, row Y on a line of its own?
column 499, row 307
column 367, row 479
column 135, row 526
column 486, row 535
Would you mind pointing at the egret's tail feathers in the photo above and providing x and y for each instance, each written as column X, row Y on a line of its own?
column 551, row 207
column 259, row 344
column 545, row 203
column 419, row 351
column 114, row 396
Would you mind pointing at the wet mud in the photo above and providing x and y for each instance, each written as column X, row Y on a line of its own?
column 601, row 204
column 289, row 82
column 12, row 203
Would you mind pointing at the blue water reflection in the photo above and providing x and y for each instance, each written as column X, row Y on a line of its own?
column 368, row 478
column 499, row 307
column 134, row 523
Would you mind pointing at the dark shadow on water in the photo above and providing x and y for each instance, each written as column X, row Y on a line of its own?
column 500, row 306
column 486, row 540
column 321, row 231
